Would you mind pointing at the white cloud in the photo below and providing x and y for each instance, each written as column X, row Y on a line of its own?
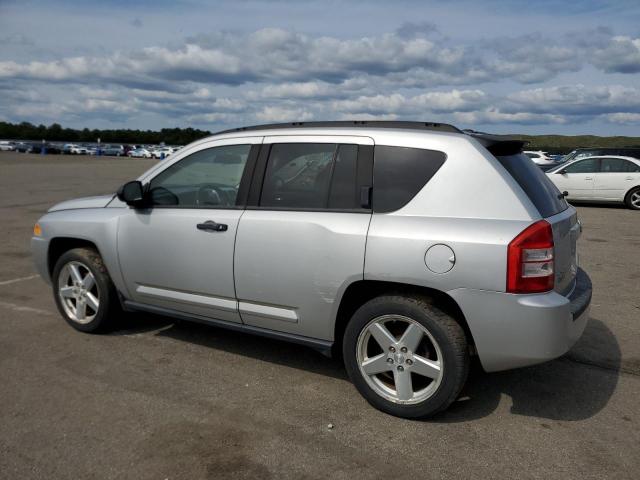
column 283, row 114
column 624, row 118
column 621, row 54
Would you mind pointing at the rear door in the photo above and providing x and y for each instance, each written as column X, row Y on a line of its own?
column 616, row 177
column 301, row 241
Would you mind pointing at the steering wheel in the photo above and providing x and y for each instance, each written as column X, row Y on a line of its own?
column 211, row 194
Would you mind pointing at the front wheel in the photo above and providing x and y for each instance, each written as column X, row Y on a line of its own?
column 633, row 199
column 84, row 292
column 406, row 356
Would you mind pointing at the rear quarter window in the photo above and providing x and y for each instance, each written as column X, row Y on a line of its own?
column 399, row 173
column 544, row 195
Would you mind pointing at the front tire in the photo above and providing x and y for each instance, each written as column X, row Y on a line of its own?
column 632, row 199
column 405, row 356
column 84, row 292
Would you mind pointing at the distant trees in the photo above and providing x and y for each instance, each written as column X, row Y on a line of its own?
column 181, row 136
column 56, row 133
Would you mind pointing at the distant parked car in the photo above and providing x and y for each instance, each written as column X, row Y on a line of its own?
column 22, row 147
column 163, row 152
column 113, row 150
column 7, row 146
column 539, row 157
column 602, row 151
column 600, row 179
column 36, row 147
column 74, row 149
column 139, row 153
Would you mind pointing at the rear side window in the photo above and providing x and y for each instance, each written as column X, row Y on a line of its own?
column 617, row 165
column 544, row 195
column 315, row 176
column 298, row 175
column 399, row 173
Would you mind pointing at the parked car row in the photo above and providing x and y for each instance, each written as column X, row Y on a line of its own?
column 135, row 151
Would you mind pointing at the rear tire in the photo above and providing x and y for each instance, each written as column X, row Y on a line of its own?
column 84, row 292
column 632, row 199
column 405, row 356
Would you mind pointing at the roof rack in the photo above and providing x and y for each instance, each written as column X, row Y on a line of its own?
column 441, row 127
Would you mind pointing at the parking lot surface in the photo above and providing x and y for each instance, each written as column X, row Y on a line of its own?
column 165, row 399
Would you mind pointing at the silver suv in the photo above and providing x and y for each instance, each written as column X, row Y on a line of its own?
column 405, row 247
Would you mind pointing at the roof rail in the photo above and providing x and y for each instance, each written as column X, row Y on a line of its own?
column 441, row 127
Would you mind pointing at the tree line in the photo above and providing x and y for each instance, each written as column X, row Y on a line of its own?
column 181, row 136
column 56, row 133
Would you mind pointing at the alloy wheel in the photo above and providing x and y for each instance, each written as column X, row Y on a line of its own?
column 400, row 359
column 79, row 293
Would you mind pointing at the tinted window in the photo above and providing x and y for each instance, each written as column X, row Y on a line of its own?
column 613, row 165
column 633, row 167
column 399, row 173
column 583, row 166
column 206, row 179
column 544, row 195
column 344, row 192
column 298, row 175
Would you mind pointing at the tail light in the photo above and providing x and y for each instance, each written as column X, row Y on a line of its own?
column 530, row 260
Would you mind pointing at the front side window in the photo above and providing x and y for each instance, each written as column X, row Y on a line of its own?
column 584, row 166
column 209, row 178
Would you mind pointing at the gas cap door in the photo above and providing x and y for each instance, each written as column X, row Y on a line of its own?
column 440, row 258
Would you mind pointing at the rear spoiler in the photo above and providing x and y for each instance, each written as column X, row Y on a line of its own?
column 498, row 145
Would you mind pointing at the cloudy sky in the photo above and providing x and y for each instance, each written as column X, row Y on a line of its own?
column 544, row 66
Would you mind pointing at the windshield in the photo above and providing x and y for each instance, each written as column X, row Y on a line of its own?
column 541, row 191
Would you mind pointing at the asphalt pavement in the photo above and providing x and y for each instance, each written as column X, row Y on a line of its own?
column 163, row 399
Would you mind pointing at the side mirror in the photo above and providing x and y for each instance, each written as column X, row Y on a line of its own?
column 131, row 193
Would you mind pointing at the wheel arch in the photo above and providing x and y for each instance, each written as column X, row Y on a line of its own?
column 59, row 245
column 628, row 192
column 361, row 291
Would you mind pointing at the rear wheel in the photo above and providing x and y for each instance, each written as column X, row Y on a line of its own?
column 633, row 199
column 405, row 356
column 84, row 292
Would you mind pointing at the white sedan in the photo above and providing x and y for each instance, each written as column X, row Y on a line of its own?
column 600, row 179
column 539, row 157
column 140, row 153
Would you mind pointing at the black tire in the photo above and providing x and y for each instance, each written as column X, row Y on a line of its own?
column 443, row 328
column 627, row 198
column 109, row 309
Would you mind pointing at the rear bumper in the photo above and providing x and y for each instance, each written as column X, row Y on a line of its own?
column 513, row 331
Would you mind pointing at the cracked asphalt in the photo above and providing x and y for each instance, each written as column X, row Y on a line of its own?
column 165, row 399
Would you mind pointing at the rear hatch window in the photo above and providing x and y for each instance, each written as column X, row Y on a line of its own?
column 541, row 191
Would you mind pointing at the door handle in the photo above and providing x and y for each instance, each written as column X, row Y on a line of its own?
column 212, row 226
column 629, row 178
column 588, row 178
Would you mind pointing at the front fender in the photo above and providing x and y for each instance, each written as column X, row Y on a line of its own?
column 96, row 225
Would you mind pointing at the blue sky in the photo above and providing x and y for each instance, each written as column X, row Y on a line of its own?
column 547, row 66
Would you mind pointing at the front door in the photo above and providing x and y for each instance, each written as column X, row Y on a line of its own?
column 577, row 179
column 302, row 239
column 178, row 253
